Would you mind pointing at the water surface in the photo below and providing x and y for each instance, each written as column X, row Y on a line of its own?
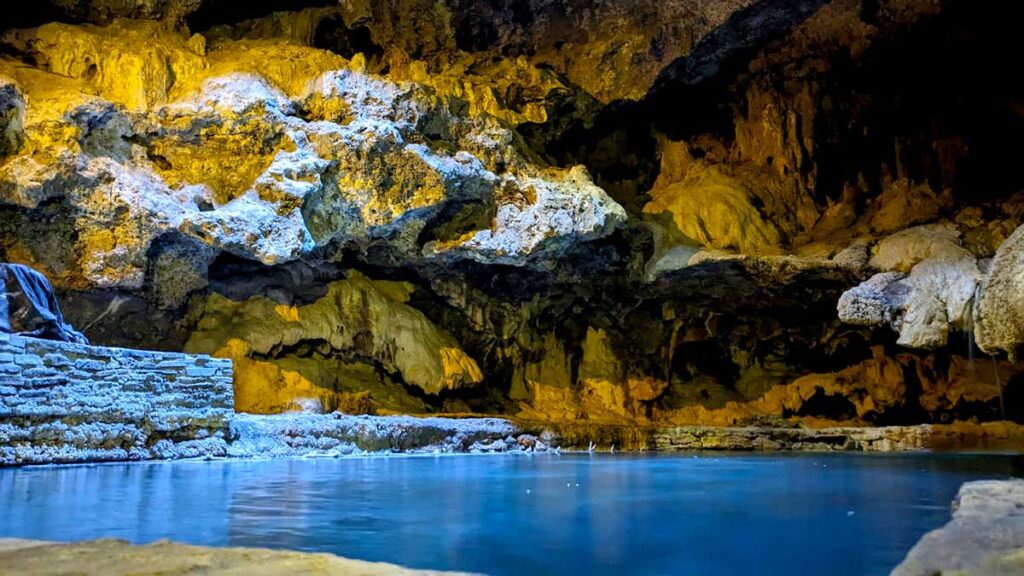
column 543, row 514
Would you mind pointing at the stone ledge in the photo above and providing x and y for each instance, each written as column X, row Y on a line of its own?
column 985, row 536
column 956, row 436
column 119, row 558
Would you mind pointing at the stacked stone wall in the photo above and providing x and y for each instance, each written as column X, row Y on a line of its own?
column 64, row 402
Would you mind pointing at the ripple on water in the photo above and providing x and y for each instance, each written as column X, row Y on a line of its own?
column 597, row 514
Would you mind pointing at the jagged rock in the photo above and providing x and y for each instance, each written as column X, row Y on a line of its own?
column 985, row 536
column 12, row 117
column 872, row 302
column 545, row 213
column 924, row 306
column 941, row 299
column 635, row 43
column 928, row 288
column 710, row 207
column 999, row 311
column 856, row 256
column 134, row 63
column 179, row 269
column 107, row 10
column 357, row 319
column 903, row 204
column 903, row 250
column 233, row 164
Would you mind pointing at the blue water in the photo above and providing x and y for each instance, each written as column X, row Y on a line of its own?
column 569, row 514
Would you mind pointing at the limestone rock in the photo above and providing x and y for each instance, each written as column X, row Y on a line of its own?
column 715, row 210
column 937, row 295
column 542, row 213
column 999, row 312
column 985, row 536
column 924, row 306
column 231, row 148
column 357, row 319
column 741, row 207
column 904, row 249
column 133, row 63
column 872, row 302
column 12, row 117
column 904, row 203
column 107, row 10
column 941, row 299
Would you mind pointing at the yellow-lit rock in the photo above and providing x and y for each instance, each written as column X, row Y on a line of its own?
column 709, row 206
column 357, row 319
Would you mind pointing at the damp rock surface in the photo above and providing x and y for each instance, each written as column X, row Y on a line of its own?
column 117, row 557
column 985, row 536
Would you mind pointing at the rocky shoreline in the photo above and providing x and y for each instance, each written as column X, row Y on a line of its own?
column 337, row 435
column 985, row 536
column 117, row 557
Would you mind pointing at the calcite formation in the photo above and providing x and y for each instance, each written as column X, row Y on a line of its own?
column 357, row 317
column 633, row 214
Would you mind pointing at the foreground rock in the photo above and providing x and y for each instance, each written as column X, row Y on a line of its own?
column 119, row 558
column 985, row 537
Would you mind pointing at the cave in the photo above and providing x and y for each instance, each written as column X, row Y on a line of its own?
column 659, row 234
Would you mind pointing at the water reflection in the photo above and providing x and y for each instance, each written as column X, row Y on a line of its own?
column 835, row 514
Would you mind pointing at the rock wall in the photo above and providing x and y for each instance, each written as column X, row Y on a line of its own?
column 655, row 213
column 64, row 402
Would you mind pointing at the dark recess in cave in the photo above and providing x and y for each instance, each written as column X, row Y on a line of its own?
column 476, row 25
column 922, row 102
column 39, row 13
column 217, row 12
column 332, row 34
column 704, row 358
column 1013, row 400
column 831, row 406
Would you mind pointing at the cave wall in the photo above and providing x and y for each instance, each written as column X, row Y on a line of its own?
column 740, row 212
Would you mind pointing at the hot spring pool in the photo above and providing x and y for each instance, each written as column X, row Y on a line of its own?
column 542, row 514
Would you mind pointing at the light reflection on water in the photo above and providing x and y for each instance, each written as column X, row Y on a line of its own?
column 543, row 514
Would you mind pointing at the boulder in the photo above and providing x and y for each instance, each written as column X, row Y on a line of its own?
column 985, row 536
column 999, row 311
column 923, row 306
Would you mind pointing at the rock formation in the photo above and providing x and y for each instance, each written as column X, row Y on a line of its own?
column 984, row 536
column 770, row 212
